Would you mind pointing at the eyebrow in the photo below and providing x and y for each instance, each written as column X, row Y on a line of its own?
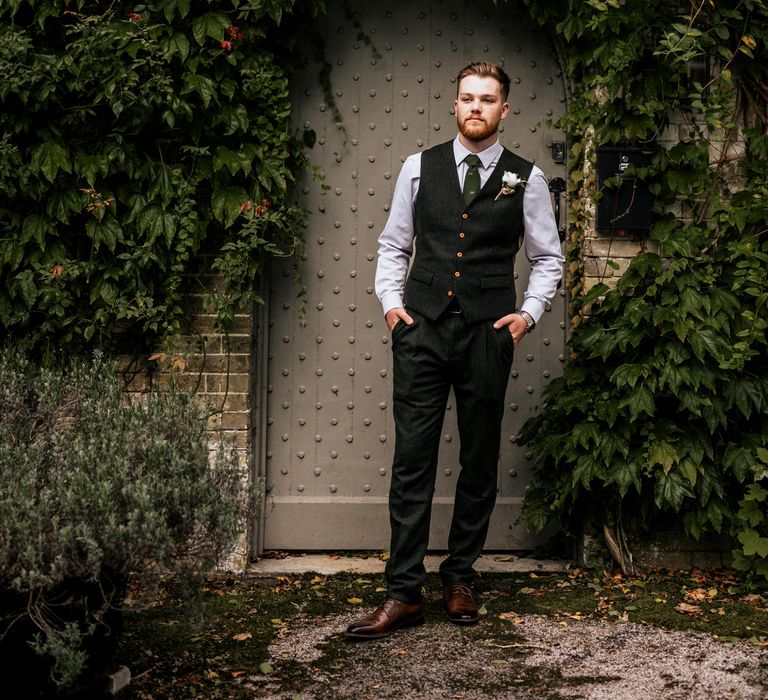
column 471, row 94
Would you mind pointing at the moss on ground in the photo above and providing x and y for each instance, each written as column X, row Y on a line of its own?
column 213, row 648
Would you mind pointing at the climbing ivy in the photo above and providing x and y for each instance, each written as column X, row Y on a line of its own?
column 661, row 417
column 133, row 137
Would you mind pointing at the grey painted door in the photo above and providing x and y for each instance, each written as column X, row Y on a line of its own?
column 329, row 421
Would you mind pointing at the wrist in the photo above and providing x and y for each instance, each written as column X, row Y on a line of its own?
column 530, row 323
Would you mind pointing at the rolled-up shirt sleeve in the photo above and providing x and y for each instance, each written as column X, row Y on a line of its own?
column 542, row 245
column 396, row 240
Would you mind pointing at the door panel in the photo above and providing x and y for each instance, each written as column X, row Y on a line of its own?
column 330, row 432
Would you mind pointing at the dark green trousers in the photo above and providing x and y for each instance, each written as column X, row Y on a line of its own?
column 430, row 357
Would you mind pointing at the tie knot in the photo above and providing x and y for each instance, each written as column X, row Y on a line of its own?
column 472, row 160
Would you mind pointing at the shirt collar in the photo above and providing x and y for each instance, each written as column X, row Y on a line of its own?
column 487, row 157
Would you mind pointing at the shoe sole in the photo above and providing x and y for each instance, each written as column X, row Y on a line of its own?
column 463, row 622
column 460, row 621
column 414, row 622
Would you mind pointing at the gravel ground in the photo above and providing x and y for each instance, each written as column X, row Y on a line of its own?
column 536, row 658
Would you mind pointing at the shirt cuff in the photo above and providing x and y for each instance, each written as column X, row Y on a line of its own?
column 391, row 300
column 534, row 307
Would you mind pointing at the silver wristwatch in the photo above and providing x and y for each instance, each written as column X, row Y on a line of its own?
column 530, row 324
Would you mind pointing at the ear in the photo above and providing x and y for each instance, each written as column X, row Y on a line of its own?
column 505, row 110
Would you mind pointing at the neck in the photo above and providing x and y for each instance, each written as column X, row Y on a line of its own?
column 478, row 146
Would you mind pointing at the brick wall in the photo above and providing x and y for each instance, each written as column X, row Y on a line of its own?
column 218, row 368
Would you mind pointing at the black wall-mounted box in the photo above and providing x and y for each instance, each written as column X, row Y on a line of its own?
column 626, row 208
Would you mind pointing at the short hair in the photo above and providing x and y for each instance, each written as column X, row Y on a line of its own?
column 485, row 70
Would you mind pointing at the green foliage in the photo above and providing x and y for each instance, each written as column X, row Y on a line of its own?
column 95, row 487
column 662, row 414
column 131, row 138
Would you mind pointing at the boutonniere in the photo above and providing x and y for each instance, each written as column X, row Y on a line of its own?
column 509, row 182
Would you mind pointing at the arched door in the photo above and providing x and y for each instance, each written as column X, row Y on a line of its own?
column 329, row 432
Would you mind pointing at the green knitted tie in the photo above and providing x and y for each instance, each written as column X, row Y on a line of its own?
column 472, row 178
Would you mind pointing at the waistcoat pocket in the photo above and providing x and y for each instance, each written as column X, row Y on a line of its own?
column 495, row 281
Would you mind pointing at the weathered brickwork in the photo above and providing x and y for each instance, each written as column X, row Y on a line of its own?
column 215, row 366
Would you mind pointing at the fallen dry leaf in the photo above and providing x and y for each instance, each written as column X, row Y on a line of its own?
column 355, row 601
column 701, row 593
column 573, row 616
column 237, row 674
column 687, row 609
column 508, row 615
column 242, row 636
column 752, row 599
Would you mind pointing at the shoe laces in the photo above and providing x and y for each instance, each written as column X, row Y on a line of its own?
column 460, row 589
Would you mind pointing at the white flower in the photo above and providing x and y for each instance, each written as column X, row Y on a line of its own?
column 509, row 181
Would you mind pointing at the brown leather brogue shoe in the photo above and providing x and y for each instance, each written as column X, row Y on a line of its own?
column 460, row 605
column 391, row 615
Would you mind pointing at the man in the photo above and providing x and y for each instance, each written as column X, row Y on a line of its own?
column 468, row 204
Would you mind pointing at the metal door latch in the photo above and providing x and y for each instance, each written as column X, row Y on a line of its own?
column 557, row 187
column 558, row 151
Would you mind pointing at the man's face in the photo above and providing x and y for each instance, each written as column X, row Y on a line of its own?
column 479, row 107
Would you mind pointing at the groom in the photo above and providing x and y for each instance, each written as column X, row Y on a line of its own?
column 469, row 204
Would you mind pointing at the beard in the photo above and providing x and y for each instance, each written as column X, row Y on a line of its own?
column 477, row 130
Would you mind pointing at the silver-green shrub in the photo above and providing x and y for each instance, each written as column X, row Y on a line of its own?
column 94, row 485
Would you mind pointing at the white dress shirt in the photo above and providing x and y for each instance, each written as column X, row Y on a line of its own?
column 541, row 240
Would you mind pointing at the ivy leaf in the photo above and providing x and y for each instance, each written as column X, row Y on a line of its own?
column 670, row 490
column 26, row 286
column 693, row 303
column 662, row 453
column 202, row 85
column 107, row 231
column 37, row 228
column 705, row 342
column 90, row 166
column 226, row 203
column 50, row 157
column 745, row 394
column 753, row 543
column 212, row 24
column 626, row 473
column 178, row 43
column 690, row 471
column 157, row 221
column 639, row 401
column 62, row 203
column 169, row 7
column 627, row 375
column 755, row 492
